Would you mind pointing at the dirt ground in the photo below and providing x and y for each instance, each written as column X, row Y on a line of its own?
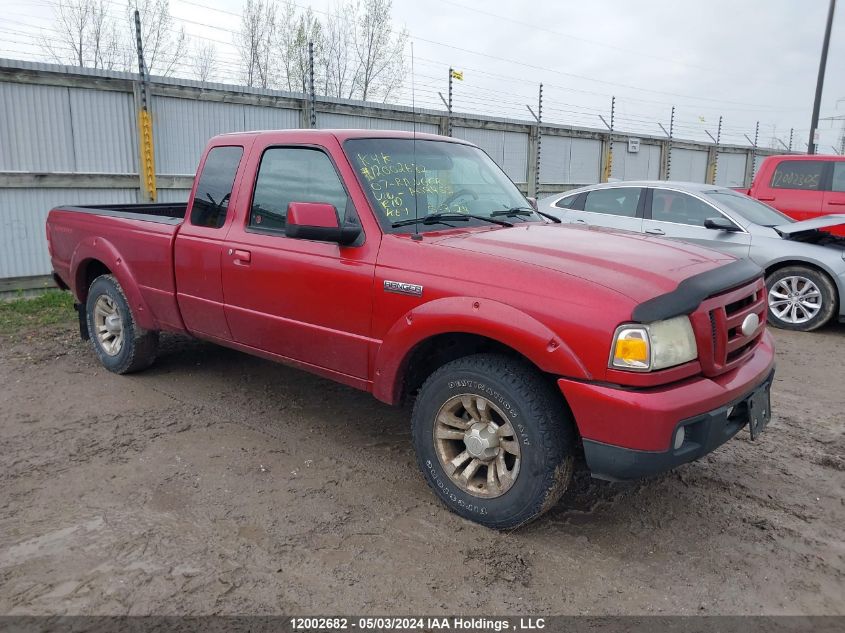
column 216, row 482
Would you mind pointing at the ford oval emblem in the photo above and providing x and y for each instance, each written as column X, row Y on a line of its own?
column 750, row 324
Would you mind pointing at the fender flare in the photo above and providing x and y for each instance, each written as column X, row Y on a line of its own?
column 470, row 315
column 101, row 250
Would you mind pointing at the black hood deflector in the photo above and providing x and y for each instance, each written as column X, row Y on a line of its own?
column 692, row 291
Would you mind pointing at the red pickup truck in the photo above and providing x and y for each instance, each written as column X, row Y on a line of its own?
column 411, row 267
column 802, row 187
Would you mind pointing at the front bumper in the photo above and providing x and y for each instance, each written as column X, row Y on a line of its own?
column 628, row 433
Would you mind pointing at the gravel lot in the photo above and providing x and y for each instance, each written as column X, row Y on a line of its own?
column 219, row 483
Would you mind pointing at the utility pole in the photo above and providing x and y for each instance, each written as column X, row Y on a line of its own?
column 791, row 132
column 312, row 98
column 145, row 122
column 814, row 123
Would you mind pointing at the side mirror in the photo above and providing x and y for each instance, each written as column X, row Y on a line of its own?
column 532, row 202
column 318, row 221
column 720, row 224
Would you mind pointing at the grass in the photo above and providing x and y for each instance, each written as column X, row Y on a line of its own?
column 50, row 308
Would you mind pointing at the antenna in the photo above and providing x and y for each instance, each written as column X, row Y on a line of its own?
column 416, row 235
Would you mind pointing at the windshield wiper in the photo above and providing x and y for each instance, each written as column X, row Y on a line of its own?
column 443, row 218
column 523, row 212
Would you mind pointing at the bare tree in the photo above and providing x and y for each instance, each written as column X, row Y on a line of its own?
column 257, row 38
column 308, row 30
column 164, row 45
column 204, row 61
column 339, row 64
column 380, row 53
column 87, row 35
column 357, row 54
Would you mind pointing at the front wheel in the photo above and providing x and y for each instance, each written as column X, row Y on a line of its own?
column 493, row 440
column 800, row 298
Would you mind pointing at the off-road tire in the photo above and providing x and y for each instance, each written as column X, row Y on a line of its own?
column 544, row 427
column 826, row 288
column 139, row 347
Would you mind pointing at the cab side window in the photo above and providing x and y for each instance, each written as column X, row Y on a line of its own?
column 838, row 183
column 680, row 208
column 211, row 200
column 291, row 174
column 798, row 174
column 614, row 201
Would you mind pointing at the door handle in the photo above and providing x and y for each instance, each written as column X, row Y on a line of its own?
column 240, row 256
column 838, row 203
column 766, row 198
column 655, row 231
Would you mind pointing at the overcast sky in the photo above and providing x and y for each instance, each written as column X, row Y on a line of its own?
column 747, row 60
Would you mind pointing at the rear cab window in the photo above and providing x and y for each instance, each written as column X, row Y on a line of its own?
column 806, row 175
column 214, row 189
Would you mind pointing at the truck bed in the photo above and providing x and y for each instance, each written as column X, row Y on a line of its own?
column 166, row 212
column 133, row 241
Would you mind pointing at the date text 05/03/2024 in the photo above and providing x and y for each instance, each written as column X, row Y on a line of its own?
column 418, row 623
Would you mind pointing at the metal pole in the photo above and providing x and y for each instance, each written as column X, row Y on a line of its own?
column 671, row 136
column 141, row 68
column 716, row 156
column 608, row 167
column 814, row 123
column 147, row 171
column 754, row 150
column 539, row 141
column 791, row 131
column 449, row 127
column 311, row 96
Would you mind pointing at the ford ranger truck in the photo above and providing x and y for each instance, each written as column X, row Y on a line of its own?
column 411, row 267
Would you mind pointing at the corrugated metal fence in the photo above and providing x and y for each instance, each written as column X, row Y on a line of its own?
column 69, row 136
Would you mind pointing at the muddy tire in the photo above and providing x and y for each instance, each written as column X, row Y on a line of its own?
column 493, row 439
column 119, row 343
column 800, row 298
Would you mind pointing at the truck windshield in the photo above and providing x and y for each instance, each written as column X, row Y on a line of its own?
column 437, row 179
column 750, row 209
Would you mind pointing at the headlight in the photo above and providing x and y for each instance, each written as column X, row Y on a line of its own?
column 653, row 346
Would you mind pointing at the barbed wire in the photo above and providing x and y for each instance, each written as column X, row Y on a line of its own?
column 469, row 97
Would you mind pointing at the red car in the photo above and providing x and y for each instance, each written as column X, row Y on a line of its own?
column 802, row 187
column 411, row 267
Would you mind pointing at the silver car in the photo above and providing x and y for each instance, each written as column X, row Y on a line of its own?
column 805, row 267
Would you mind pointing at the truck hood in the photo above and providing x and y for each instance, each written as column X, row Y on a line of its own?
column 637, row 266
column 790, row 228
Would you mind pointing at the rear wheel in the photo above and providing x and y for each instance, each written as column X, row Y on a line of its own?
column 120, row 344
column 493, row 440
column 800, row 298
